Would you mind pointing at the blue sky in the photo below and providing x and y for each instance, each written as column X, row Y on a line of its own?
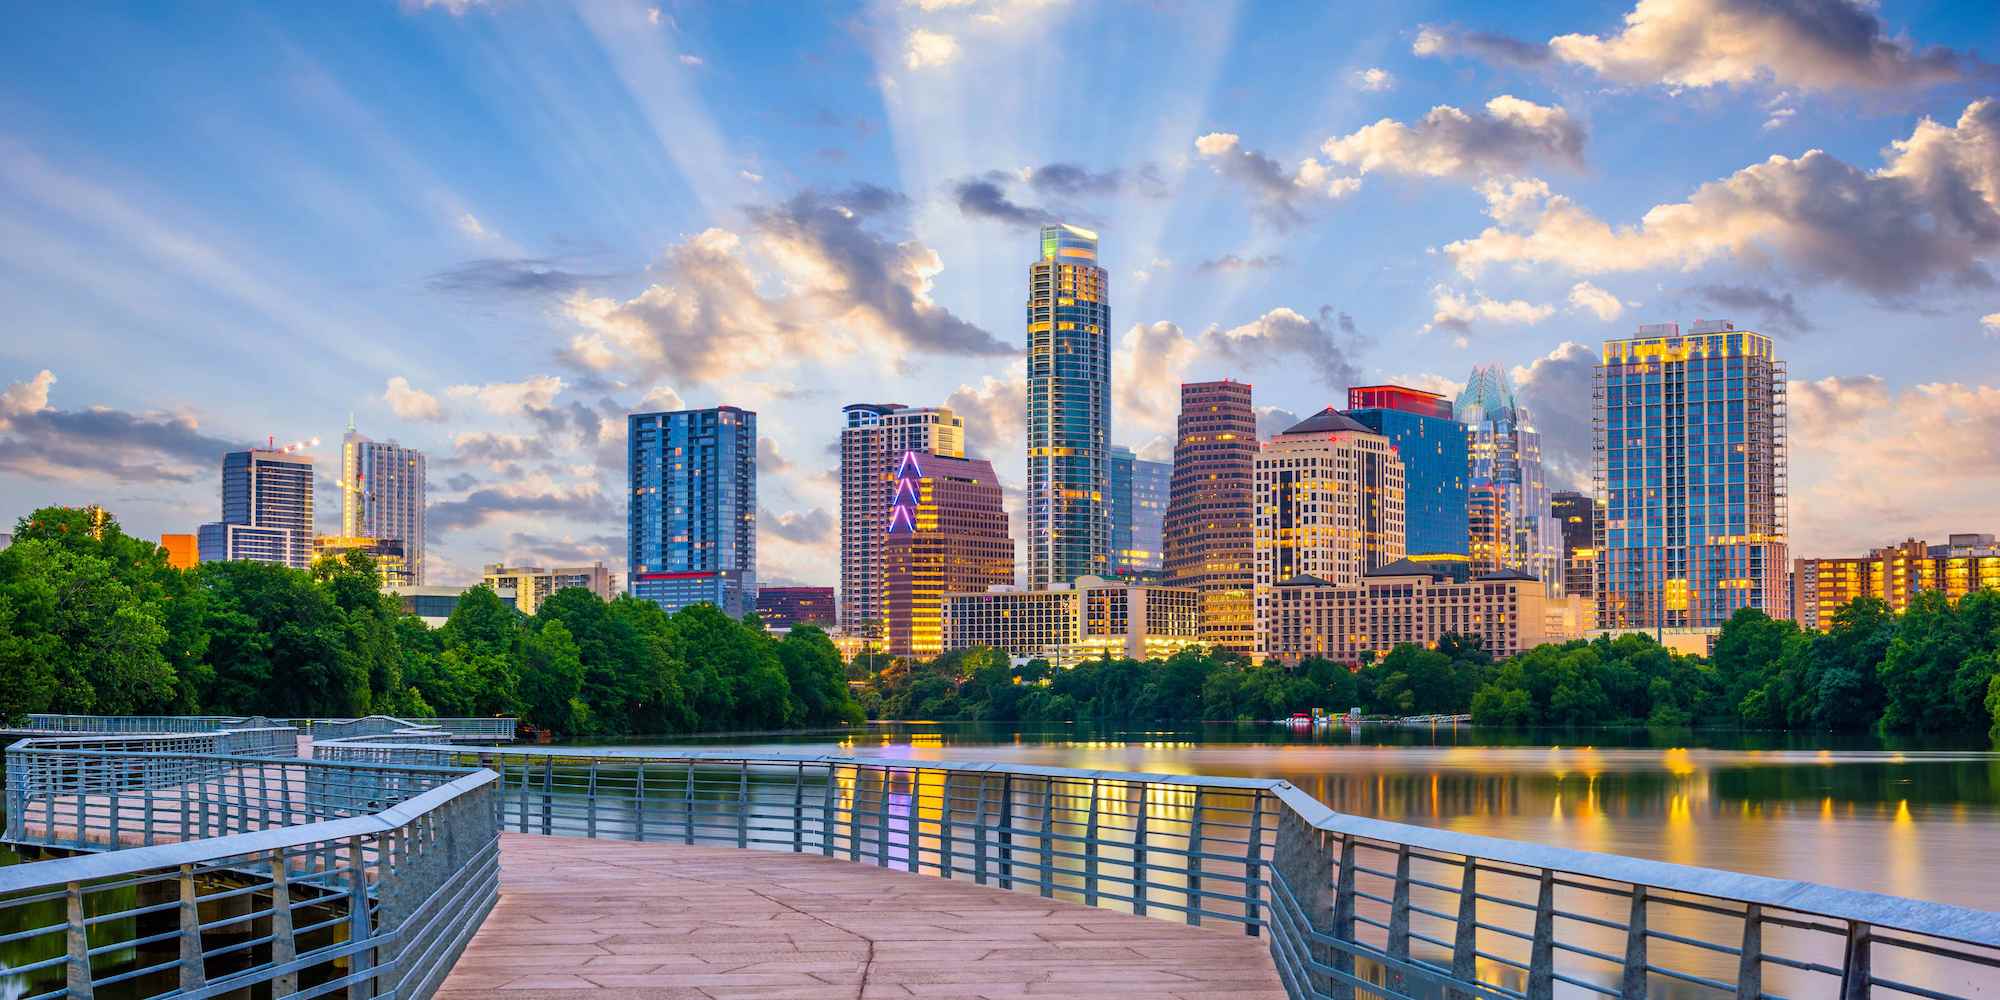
column 490, row 229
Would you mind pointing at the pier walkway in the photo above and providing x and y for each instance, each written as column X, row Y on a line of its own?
column 595, row 918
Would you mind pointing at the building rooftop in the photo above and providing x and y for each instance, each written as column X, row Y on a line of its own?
column 1508, row 574
column 1328, row 421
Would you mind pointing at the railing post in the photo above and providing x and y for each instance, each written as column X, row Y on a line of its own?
column 1399, row 912
column 1750, row 968
column 77, row 970
column 944, row 827
column 799, row 809
column 687, row 812
column 743, row 804
column 148, row 834
column 1856, row 979
column 1302, row 863
column 1253, row 867
column 1465, row 939
column 1090, row 849
column 359, row 963
column 1048, row 876
column 193, row 971
column 590, row 803
column 827, row 805
column 1343, row 919
column 882, row 819
column 525, row 764
column 284, row 946
column 1634, row 985
column 1141, row 883
column 1542, row 951
column 914, row 824
column 548, row 795
column 639, row 804
column 1007, row 831
column 1194, row 861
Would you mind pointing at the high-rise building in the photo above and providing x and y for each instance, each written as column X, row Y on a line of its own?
column 528, row 586
column 1329, row 505
column 1576, row 517
column 1893, row 574
column 390, row 563
column 1069, row 410
column 1432, row 445
column 872, row 441
column 1139, row 492
column 267, row 509
column 784, row 607
column 1209, row 533
column 1690, row 447
column 691, row 528
column 947, row 533
column 1411, row 602
column 1504, row 455
column 181, row 551
column 1072, row 622
column 382, row 496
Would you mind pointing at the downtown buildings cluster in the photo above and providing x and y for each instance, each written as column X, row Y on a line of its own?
column 1399, row 518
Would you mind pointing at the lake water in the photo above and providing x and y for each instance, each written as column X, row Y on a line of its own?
column 1855, row 813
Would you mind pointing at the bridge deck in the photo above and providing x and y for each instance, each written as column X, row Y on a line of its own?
column 593, row 918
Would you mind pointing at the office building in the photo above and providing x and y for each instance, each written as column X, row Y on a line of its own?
column 1139, row 491
column 1082, row 620
column 1069, row 410
column 691, row 528
column 181, row 551
column 1690, row 465
column 267, row 509
column 1432, row 444
column 433, row 603
column 390, row 563
column 1408, row 602
column 947, row 533
column 382, row 496
column 784, row 607
column 1209, row 532
column 1576, row 517
column 528, row 586
column 1329, row 505
column 1504, row 456
column 1894, row 574
column 873, row 438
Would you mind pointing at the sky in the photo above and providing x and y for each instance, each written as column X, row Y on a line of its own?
column 491, row 229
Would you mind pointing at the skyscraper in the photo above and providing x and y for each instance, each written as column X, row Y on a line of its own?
column 872, row 441
column 1431, row 444
column 1138, row 506
column 1576, row 515
column 1329, row 507
column 1691, row 471
column 382, row 495
column 267, row 509
column 1209, row 540
column 1069, row 410
column 947, row 533
column 1505, row 455
column 691, row 528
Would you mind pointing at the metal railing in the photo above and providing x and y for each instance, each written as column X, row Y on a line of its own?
column 186, row 724
column 289, row 876
column 461, row 730
column 1352, row 906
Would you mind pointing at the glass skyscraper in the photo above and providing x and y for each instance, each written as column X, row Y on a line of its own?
column 382, row 490
column 267, row 509
column 691, row 528
column 1431, row 444
column 1069, row 410
column 1691, row 474
column 1138, row 506
column 1504, row 462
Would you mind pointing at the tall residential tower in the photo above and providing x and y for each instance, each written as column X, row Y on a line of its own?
column 873, row 438
column 1069, row 410
column 1431, row 444
column 1209, row 537
column 1690, row 446
column 1138, row 508
column 382, row 491
column 691, row 528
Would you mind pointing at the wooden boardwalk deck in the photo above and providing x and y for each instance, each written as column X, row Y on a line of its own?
column 587, row 919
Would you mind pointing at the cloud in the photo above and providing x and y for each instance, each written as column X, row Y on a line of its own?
column 925, row 49
column 1585, row 296
column 987, row 195
column 1778, row 312
column 846, row 290
column 1147, row 369
column 470, row 225
column 1872, row 463
column 808, row 527
column 994, row 412
column 1071, row 180
column 1930, row 214
column 690, row 59
column 537, row 496
column 1374, row 79
column 1232, row 262
column 42, row 442
column 659, row 399
column 1273, row 421
column 543, row 550
column 771, row 461
column 1454, row 311
column 409, row 402
column 986, row 198
column 1779, row 118
column 1816, row 45
column 1435, row 40
column 1277, row 191
column 1991, row 321
column 1556, row 389
column 1284, row 333
column 1510, row 134
column 512, row 275
column 497, row 450
column 508, row 399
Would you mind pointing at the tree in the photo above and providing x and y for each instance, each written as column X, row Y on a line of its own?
column 551, row 679
column 813, row 669
column 72, row 619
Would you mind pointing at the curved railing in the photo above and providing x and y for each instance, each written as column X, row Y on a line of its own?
column 499, row 729
column 214, row 873
column 1351, row 906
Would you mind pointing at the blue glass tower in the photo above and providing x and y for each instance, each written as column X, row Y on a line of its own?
column 267, row 509
column 691, row 528
column 1069, row 410
column 1432, row 444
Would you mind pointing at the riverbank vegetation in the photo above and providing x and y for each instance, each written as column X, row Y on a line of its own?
column 93, row 621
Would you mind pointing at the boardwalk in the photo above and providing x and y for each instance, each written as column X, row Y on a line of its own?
column 587, row 919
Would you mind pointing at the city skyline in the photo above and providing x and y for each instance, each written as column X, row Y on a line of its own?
column 432, row 265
